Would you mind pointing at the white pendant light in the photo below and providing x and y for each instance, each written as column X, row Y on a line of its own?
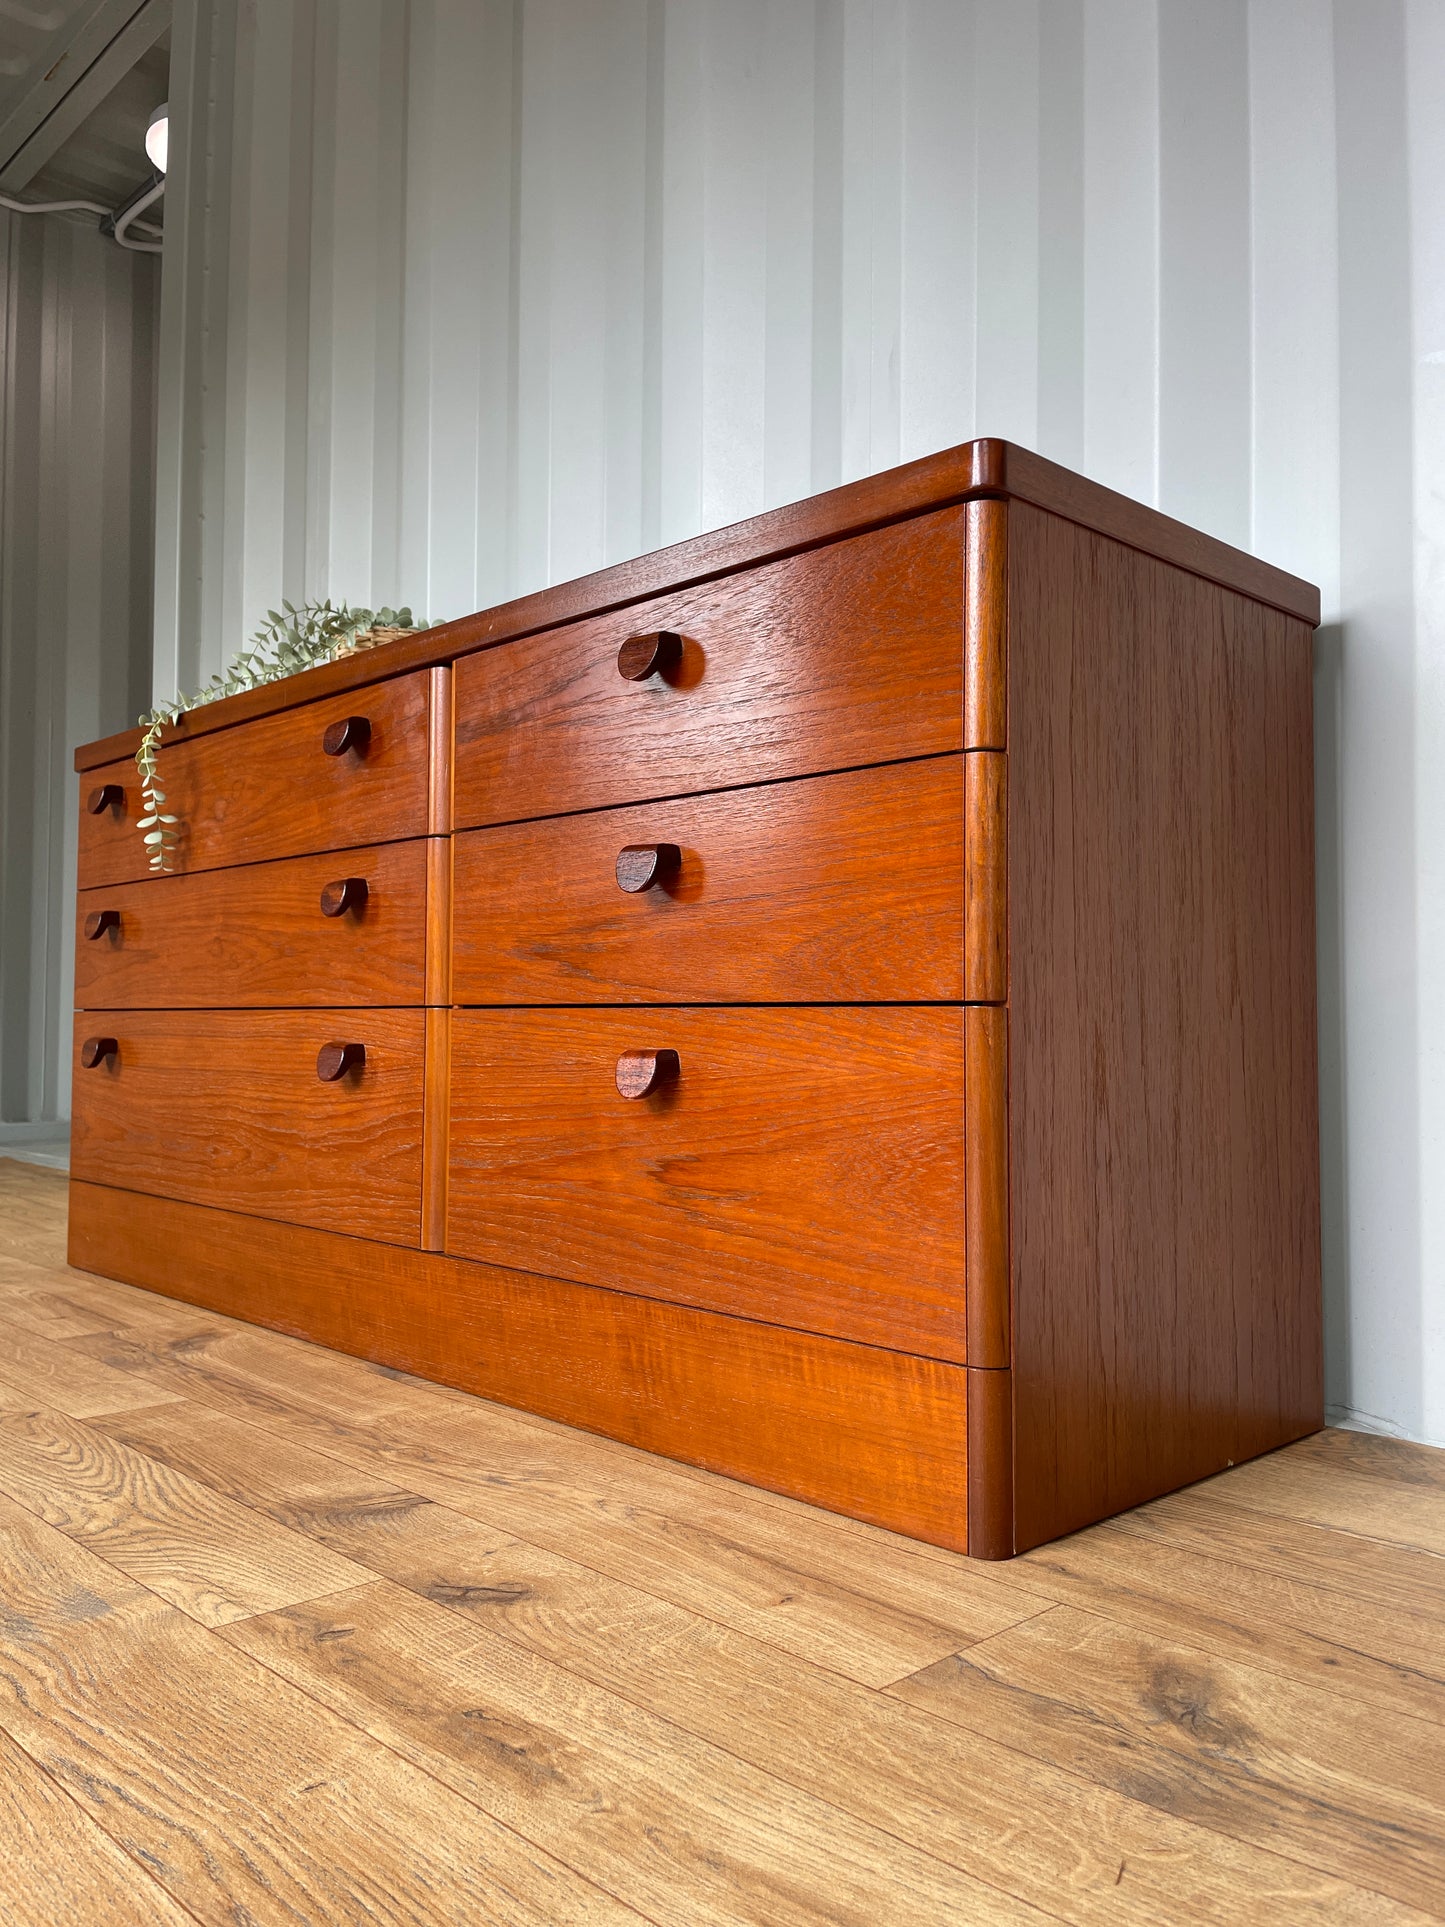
column 156, row 137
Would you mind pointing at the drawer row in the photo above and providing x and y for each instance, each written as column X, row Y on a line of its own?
column 847, row 888
column 846, row 656
column 804, row 1167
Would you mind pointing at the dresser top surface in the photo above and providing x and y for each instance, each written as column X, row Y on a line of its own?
column 985, row 468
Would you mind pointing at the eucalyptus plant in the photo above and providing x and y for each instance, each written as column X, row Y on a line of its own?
column 290, row 639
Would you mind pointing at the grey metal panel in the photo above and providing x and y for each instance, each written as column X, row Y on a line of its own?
column 78, row 353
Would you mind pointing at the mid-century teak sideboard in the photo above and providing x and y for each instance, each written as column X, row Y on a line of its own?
column 832, row 1001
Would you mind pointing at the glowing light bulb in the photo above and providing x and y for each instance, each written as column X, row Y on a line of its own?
column 156, row 137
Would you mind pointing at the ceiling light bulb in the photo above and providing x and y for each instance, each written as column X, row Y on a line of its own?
column 156, row 137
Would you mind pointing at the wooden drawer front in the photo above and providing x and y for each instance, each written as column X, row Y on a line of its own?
column 833, row 889
column 256, row 936
column 226, row 1108
column 268, row 788
column 847, row 655
column 805, row 1168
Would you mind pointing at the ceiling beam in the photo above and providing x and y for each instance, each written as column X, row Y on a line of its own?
column 86, row 59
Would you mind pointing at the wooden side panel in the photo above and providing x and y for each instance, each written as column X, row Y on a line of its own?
column 848, row 655
column 268, row 788
column 878, row 1435
column 225, row 1107
column 805, row 1167
column 985, row 672
column 1162, row 1093
column 833, row 889
column 253, row 937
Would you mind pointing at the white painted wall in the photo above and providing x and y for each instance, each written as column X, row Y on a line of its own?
column 466, row 296
column 77, row 403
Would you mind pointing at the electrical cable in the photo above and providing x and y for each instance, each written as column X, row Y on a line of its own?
column 122, row 220
column 116, row 222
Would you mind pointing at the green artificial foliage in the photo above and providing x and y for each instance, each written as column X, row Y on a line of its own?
column 288, row 641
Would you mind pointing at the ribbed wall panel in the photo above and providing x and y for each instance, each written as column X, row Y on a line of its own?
column 77, row 431
column 466, row 296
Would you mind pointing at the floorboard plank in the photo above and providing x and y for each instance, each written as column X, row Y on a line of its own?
column 1078, row 1851
column 210, row 1557
column 59, row 1375
column 245, row 1799
column 1394, row 1511
column 580, row 1771
column 1393, row 1578
column 1328, row 1782
column 1387, row 1656
column 57, row 1865
column 795, row 1581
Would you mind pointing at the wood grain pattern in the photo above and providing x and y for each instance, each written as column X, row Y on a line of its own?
column 847, row 655
column 224, row 1107
column 585, row 1773
column 985, row 671
column 438, row 966
column 1163, row 1107
column 991, row 1458
column 785, row 1575
column 806, row 1166
column 245, row 1798
column 255, row 937
column 35, row 1370
column 214, row 1559
column 436, row 1128
column 1387, row 1657
column 1123, row 1759
column 273, row 792
column 985, row 843
column 977, row 469
column 57, row 1865
column 1291, row 1768
column 834, row 889
column 985, row 1176
column 439, row 751
column 879, row 1435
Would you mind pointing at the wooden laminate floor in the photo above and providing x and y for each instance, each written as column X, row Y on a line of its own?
column 288, row 1638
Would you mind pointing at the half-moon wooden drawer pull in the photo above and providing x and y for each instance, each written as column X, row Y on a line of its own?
column 99, row 921
column 347, row 732
column 659, row 653
column 643, row 866
column 335, row 1060
column 105, row 796
column 95, row 1050
column 346, row 893
column 640, row 1072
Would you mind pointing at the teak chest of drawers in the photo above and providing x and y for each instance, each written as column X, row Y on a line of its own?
column 832, row 1001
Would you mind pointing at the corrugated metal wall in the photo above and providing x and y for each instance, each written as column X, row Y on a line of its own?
column 78, row 320
column 465, row 296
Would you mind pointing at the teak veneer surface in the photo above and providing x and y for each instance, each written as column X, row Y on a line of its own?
column 255, row 937
column 987, row 469
column 847, row 655
column 855, row 1428
column 1162, row 1080
column 806, row 1167
column 832, row 889
column 275, row 792
column 226, row 1107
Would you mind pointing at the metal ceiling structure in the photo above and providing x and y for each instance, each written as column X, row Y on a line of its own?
column 78, row 82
